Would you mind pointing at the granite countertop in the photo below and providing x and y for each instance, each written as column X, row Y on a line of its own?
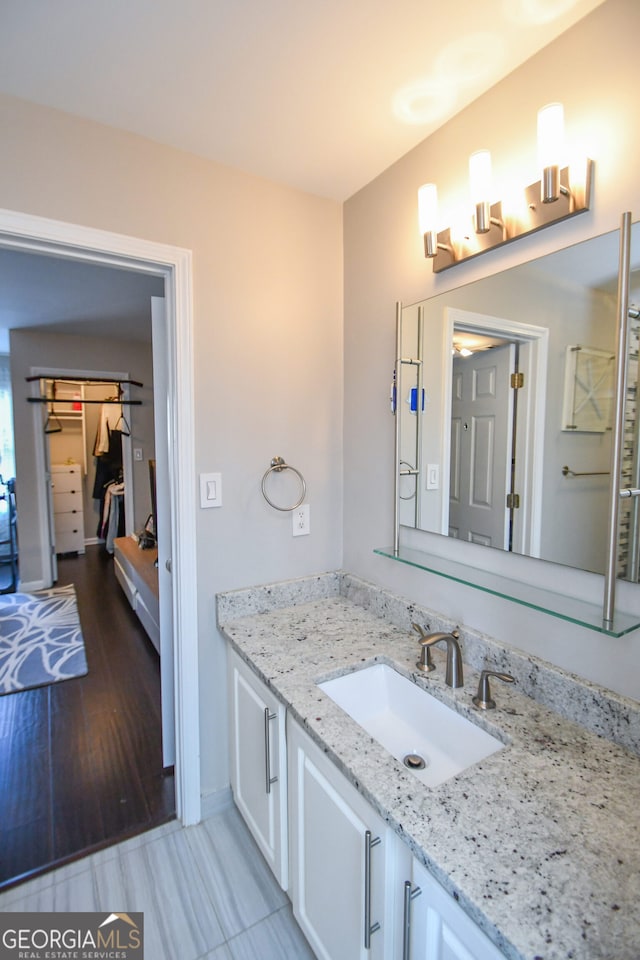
column 539, row 843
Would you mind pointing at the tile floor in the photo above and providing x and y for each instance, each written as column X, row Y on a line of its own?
column 205, row 891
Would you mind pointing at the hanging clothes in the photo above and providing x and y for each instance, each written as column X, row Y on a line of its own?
column 111, row 417
column 112, row 518
column 108, row 465
column 107, row 451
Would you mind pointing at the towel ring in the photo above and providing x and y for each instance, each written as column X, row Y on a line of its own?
column 277, row 466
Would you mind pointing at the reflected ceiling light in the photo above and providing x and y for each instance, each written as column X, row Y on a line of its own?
column 536, row 11
column 553, row 198
column 461, row 351
column 471, row 59
column 424, row 101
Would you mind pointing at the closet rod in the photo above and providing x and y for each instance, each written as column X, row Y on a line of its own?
column 58, row 400
column 134, row 383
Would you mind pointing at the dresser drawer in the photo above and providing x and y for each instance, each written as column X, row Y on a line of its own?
column 67, row 502
column 68, row 522
column 70, row 541
column 66, row 480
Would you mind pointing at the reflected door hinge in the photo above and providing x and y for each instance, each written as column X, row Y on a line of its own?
column 513, row 501
column 517, row 380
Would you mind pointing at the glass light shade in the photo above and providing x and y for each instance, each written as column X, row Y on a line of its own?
column 480, row 176
column 550, row 135
column 428, row 208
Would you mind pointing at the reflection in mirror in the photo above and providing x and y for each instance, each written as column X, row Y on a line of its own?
column 513, row 446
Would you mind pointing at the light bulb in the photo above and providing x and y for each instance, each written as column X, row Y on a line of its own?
column 550, row 149
column 428, row 217
column 480, row 187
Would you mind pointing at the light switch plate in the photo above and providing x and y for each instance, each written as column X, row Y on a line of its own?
column 433, row 476
column 210, row 490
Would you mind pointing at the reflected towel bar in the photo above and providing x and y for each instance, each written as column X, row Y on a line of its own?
column 568, row 472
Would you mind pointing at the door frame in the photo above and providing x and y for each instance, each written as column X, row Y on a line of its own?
column 71, row 241
column 534, row 348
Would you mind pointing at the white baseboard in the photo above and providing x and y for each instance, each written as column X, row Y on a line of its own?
column 30, row 585
column 212, row 803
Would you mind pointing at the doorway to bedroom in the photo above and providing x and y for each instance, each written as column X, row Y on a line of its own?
column 81, row 761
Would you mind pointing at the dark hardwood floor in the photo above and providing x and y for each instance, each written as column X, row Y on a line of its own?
column 81, row 760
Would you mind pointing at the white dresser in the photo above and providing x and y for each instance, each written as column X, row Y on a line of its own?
column 68, row 513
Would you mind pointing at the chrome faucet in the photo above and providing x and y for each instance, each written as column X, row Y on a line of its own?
column 483, row 699
column 453, row 676
column 425, row 663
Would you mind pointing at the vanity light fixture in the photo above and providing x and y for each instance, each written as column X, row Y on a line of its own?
column 550, row 150
column 480, row 188
column 559, row 194
column 428, row 217
column 428, row 220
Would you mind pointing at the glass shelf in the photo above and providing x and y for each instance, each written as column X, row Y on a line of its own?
column 584, row 614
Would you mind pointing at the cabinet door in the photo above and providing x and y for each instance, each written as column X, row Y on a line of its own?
column 438, row 928
column 341, row 859
column 258, row 763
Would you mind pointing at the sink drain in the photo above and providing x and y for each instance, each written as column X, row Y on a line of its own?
column 414, row 761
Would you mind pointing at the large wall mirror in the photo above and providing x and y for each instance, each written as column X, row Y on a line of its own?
column 506, row 427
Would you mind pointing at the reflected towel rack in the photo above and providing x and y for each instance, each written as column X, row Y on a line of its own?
column 625, row 492
column 568, row 472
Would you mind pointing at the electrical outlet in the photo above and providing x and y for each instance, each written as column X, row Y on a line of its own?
column 301, row 521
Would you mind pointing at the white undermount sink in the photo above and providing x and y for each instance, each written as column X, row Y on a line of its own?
column 410, row 723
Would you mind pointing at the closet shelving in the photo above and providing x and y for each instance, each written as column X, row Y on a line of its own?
column 66, row 399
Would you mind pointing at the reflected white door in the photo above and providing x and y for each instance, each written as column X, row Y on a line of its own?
column 481, row 441
column 163, row 520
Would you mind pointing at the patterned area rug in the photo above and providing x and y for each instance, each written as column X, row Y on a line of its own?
column 40, row 639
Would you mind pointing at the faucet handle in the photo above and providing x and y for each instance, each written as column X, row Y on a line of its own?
column 482, row 699
column 425, row 663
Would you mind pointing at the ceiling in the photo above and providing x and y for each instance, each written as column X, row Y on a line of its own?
column 46, row 293
column 237, row 81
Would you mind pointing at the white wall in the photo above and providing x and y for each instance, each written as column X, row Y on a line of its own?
column 267, row 264
column 594, row 70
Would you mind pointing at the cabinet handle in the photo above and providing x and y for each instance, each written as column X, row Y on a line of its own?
column 409, row 895
column 369, row 928
column 267, row 752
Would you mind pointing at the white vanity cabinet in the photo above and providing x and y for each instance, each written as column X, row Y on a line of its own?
column 342, row 860
column 434, row 926
column 357, row 891
column 259, row 762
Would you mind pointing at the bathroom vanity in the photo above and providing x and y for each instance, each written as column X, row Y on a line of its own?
column 532, row 852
